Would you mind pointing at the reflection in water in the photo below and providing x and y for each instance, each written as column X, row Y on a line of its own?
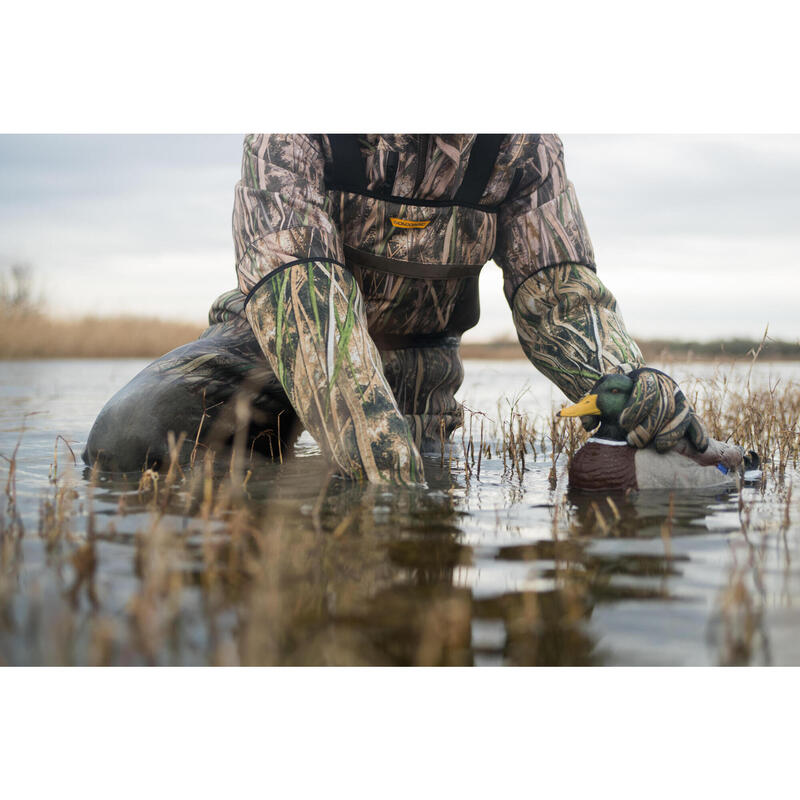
column 293, row 574
column 289, row 565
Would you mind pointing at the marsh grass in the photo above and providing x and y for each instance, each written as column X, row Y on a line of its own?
column 28, row 334
column 231, row 566
column 516, row 437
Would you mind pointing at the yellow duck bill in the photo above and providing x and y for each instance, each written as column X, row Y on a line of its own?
column 588, row 405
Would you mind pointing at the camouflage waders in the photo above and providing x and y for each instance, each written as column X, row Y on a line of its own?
column 358, row 261
column 221, row 384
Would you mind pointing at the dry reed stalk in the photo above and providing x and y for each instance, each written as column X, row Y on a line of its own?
column 259, row 569
column 666, row 527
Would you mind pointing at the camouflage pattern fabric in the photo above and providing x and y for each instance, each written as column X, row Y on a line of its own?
column 218, row 390
column 424, row 380
column 659, row 412
column 398, row 305
column 228, row 307
column 453, row 235
column 220, row 387
column 529, row 222
column 283, row 215
column 541, row 225
column 570, row 328
column 283, row 212
column 314, row 304
column 311, row 322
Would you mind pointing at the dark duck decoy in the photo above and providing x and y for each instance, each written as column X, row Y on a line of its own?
column 608, row 463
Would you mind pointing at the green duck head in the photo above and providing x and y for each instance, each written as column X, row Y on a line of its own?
column 609, row 396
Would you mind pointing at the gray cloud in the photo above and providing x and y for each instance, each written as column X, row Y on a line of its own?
column 124, row 193
column 696, row 235
column 731, row 186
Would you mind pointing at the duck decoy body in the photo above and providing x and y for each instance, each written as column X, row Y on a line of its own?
column 608, row 463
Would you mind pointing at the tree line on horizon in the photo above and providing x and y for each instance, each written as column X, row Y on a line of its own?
column 142, row 336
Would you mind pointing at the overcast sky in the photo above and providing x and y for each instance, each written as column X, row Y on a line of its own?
column 697, row 236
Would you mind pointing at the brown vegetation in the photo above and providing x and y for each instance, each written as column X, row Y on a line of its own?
column 31, row 335
column 27, row 334
column 233, row 568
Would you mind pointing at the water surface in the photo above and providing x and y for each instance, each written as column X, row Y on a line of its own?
column 504, row 567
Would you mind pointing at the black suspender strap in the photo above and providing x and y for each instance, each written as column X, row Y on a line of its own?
column 348, row 171
column 392, row 162
column 479, row 168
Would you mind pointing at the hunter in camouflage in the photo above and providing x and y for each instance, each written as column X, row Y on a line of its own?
column 353, row 294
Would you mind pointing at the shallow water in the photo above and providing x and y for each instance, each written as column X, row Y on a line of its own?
column 488, row 569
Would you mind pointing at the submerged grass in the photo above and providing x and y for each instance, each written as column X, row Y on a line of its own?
column 232, row 565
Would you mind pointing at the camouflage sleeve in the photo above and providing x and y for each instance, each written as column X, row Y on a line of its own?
column 311, row 322
column 540, row 225
column 281, row 212
column 570, row 328
column 308, row 314
column 567, row 321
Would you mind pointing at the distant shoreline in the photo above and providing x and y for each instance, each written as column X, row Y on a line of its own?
column 662, row 350
column 35, row 336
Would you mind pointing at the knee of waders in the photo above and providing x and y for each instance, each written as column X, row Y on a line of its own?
column 132, row 430
column 424, row 380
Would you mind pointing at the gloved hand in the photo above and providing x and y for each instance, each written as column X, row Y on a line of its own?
column 657, row 412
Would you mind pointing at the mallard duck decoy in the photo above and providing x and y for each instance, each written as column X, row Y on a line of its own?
column 607, row 462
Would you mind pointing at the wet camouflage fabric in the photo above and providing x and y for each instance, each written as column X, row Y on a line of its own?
column 659, row 412
column 424, row 380
column 311, row 323
column 570, row 328
column 217, row 390
column 220, row 390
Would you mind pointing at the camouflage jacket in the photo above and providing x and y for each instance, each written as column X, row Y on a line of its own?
column 311, row 260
